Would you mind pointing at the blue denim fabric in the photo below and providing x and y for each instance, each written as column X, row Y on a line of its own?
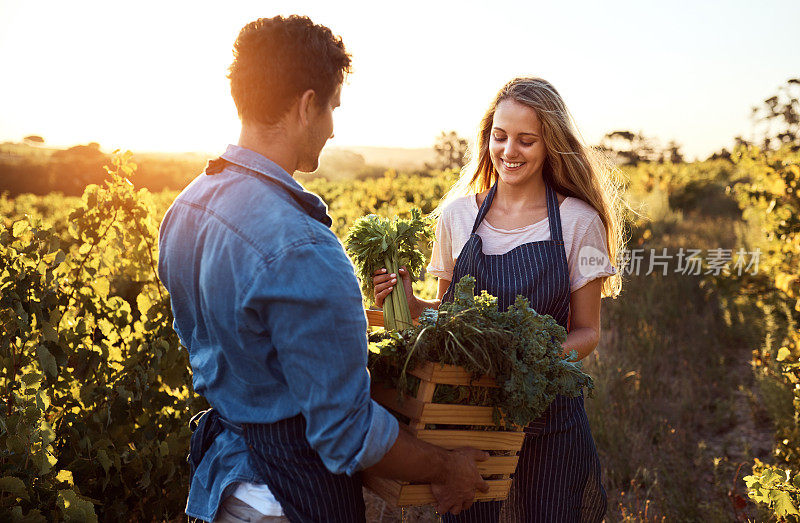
column 268, row 306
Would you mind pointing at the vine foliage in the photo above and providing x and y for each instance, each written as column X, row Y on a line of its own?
column 96, row 390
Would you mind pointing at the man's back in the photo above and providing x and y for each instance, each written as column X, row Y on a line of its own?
column 267, row 303
column 221, row 232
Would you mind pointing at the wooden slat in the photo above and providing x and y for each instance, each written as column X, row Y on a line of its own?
column 444, row 414
column 479, row 439
column 387, row 397
column 426, row 390
column 498, row 465
column 421, row 494
column 387, row 489
column 424, row 394
column 374, row 318
column 450, row 375
column 402, row 494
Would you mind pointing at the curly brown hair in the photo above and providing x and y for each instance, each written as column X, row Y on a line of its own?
column 277, row 59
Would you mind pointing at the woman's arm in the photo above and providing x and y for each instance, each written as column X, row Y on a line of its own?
column 584, row 333
column 443, row 285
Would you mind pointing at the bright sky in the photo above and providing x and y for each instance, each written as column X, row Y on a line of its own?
column 150, row 75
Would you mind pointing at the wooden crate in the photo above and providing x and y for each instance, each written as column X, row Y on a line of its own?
column 421, row 411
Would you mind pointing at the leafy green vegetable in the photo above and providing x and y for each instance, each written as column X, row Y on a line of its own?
column 519, row 347
column 375, row 243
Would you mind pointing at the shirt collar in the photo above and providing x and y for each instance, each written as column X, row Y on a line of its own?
column 262, row 165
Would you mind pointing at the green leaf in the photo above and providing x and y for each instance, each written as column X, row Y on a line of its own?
column 14, row 486
column 783, row 504
column 31, row 378
column 16, row 444
column 102, row 457
column 101, row 286
column 47, row 361
column 796, row 481
column 74, row 508
column 144, row 303
column 46, row 434
column 42, row 400
column 65, row 476
column 43, row 460
column 18, row 228
column 49, row 332
column 33, row 516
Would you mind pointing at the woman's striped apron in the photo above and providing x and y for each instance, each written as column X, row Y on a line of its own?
column 558, row 474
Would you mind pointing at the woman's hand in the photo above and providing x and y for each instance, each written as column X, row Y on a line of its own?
column 384, row 283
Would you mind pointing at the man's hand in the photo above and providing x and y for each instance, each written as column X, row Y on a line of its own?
column 455, row 491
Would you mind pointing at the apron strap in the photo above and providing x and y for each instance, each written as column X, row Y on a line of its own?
column 487, row 202
column 554, row 215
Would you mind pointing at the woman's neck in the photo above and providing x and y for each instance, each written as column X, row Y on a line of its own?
column 527, row 195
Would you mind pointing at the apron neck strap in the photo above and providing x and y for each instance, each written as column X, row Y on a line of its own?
column 487, row 202
column 553, row 212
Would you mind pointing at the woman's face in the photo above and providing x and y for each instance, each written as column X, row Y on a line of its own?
column 515, row 144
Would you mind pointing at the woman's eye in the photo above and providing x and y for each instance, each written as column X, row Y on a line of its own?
column 526, row 144
column 499, row 138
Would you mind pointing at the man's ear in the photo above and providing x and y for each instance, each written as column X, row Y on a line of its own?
column 306, row 106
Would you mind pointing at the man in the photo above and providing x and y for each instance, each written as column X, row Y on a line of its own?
column 268, row 306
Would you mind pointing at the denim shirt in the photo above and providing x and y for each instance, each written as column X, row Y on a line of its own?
column 267, row 303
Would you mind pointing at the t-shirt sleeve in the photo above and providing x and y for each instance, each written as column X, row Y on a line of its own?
column 589, row 258
column 442, row 263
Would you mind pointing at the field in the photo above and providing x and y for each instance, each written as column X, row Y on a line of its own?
column 694, row 372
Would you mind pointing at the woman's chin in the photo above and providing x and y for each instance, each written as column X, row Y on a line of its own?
column 514, row 178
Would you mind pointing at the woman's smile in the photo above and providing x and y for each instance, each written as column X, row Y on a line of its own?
column 511, row 166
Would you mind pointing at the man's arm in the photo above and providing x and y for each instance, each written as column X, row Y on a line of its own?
column 307, row 300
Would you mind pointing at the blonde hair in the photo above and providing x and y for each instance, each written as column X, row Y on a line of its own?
column 571, row 168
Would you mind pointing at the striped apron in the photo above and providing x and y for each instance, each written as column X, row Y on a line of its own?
column 558, row 474
column 283, row 459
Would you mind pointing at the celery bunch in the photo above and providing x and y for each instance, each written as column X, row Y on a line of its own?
column 374, row 243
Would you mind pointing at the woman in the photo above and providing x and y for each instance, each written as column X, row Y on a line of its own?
column 534, row 214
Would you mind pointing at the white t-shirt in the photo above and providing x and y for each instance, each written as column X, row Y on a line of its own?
column 581, row 226
column 258, row 496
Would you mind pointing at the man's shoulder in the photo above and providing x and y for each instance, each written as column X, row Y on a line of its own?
column 254, row 209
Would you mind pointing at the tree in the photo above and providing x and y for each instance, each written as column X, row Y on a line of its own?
column 777, row 119
column 33, row 140
column 673, row 152
column 71, row 170
column 451, row 152
column 628, row 148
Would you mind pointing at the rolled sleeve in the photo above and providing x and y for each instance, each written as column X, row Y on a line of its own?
column 442, row 261
column 308, row 301
column 380, row 437
column 589, row 257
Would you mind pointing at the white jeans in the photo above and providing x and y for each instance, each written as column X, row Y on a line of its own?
column 234, row 510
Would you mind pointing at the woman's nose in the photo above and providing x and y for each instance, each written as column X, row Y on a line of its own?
column 510, row 149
